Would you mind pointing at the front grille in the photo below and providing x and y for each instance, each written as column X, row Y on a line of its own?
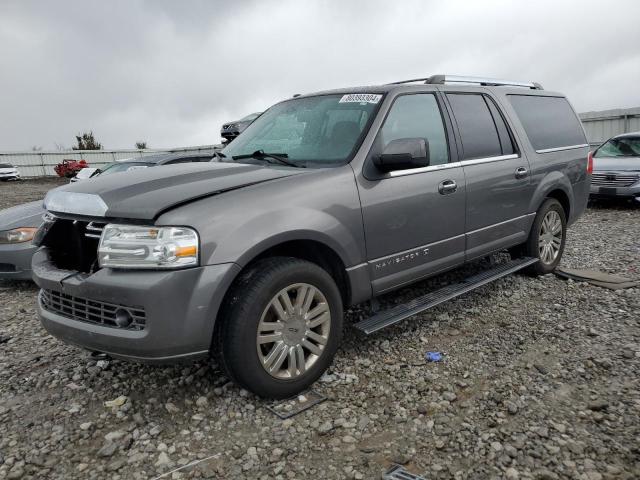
column 92, row 311
column 94, row 230
column 614, row 179
column 7, row 267
column 73, row 244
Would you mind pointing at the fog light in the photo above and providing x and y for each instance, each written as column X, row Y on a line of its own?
column 123, row 318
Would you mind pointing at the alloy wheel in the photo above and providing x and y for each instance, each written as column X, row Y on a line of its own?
column 293, row 331
column 550, row 238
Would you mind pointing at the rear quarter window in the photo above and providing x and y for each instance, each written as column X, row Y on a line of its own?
column 549, row 122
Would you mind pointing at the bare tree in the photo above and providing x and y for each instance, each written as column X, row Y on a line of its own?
column 86, row 141
column 141, row 145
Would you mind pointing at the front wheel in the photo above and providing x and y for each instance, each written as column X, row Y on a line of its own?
column 282, row 327
column 547, row 237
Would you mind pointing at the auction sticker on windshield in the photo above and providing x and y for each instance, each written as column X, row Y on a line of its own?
column 360, row 98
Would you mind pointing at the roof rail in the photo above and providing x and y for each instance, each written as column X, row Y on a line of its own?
column 452, row 79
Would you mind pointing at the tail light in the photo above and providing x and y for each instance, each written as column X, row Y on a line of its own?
column 590, row 163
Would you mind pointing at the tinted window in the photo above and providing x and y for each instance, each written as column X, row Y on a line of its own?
column 416, row 116
column 550, row 122
column 506, row 140
column 476, row 126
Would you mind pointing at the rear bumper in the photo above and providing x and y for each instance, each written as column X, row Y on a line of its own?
column 15, row 261
column 181, row 308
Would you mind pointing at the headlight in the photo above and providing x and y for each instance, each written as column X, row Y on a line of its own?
column 131, row 246
column 17, row 235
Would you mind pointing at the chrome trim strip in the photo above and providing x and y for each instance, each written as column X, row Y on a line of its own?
column 419, row 247
column 430, row 168
column 446, row 166
column 501, row 223
column 476, row 161
column 360, row 265
column 559, row 149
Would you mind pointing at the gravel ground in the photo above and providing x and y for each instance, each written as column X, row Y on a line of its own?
column 540, row 379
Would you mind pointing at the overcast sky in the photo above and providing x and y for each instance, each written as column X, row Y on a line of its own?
column 171, row 72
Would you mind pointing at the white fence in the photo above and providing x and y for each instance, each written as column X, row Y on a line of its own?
column 40, row 164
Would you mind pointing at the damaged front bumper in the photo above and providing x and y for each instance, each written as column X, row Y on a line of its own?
column 172, row 313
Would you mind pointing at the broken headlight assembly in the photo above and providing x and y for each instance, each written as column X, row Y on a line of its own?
column 142, row 247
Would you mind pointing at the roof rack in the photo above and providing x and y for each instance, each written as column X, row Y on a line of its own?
column 453, row 79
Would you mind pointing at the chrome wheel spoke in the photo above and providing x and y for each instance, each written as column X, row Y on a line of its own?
column 311, row 347
column 302, row 362
column 316, row 337
column 319, row 320
column 285, row 300
column 318, row 310
column 269, row 338
column 279, row 309
column 293, row 362
column 274, row 355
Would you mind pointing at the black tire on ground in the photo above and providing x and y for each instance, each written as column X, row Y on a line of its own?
column 251, row 294
column 531, row 247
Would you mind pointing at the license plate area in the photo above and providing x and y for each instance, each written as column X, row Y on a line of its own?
column 608, row 191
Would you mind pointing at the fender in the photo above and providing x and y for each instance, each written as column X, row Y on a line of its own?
column 554, row 180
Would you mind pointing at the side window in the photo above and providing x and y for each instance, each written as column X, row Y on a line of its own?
column 476, row 125
column 549, row 122
column 417, row 116
column 506, row 140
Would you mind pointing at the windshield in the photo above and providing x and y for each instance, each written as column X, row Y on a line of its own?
column 123, row 167
column 322, row 130
column 251, row 116
column 620, row 147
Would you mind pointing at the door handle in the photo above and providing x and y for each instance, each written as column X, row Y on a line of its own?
column 521, row 172
column 448, row 186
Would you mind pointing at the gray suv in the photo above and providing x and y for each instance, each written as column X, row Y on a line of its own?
column 326, row 200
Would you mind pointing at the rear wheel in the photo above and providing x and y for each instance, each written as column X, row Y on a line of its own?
column 547, row 237
column 282, row 327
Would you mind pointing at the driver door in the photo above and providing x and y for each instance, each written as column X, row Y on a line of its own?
column 414, row 219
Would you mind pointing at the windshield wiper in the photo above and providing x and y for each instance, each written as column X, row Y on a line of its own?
column 262, row 155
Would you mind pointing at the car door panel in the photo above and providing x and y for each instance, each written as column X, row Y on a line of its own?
column 497, row 175
column 414, row 219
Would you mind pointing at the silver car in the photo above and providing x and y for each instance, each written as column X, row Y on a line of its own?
column 616, row 168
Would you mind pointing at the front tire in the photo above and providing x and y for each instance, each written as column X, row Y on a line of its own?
column 281, row 327
column 547, row 237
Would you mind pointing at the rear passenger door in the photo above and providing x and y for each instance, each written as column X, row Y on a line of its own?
column 497, row 174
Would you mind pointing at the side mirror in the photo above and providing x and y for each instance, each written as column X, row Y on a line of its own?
column 403, row 154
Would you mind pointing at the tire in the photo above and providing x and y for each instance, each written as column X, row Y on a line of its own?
column 550, row 216
column 263, row 342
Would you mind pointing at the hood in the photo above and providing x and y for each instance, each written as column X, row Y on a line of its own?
column 145, row 194
column 610, row 164
column 25, row 215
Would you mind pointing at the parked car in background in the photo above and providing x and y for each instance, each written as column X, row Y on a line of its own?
column 326, row 200
column 9, row 172
column 85, row 174
column 18, row 224
column 616, row 168
column 231, row 130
